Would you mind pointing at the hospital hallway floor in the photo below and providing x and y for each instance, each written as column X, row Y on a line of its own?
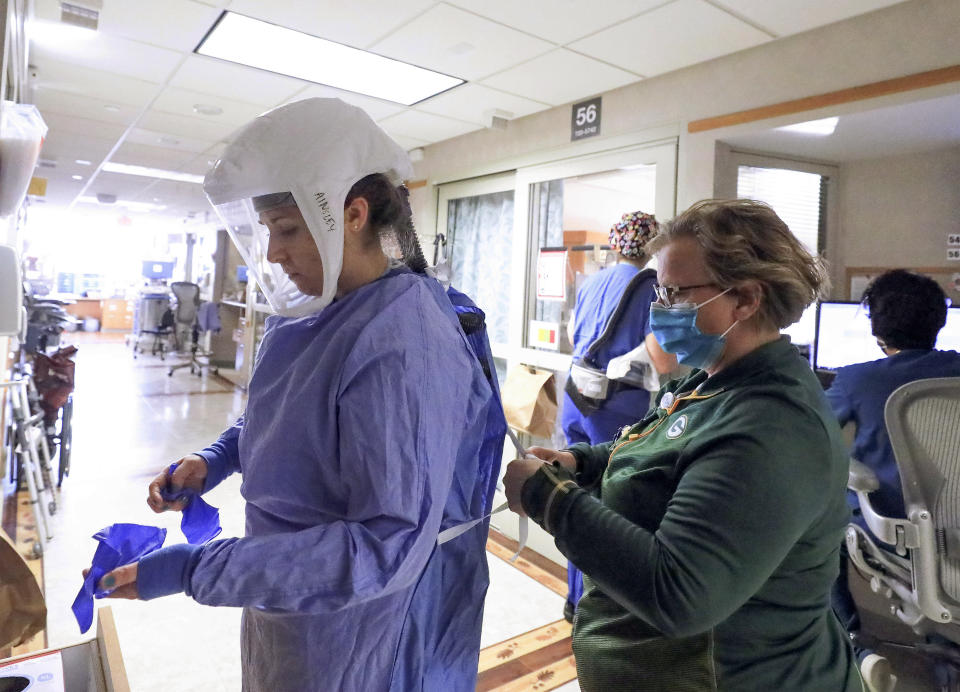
column 131, row 419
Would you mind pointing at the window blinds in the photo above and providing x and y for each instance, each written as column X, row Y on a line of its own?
column 794, row 195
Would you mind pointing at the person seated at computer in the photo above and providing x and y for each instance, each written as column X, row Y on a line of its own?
column 906, row 311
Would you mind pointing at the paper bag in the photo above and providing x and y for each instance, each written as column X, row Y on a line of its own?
column 22, row 609
column 530, row 400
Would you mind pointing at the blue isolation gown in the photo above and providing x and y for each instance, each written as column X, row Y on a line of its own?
column 361, row 441
column 596, row 301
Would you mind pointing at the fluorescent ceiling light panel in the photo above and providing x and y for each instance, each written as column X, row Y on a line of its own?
column 129, row 169
column 275, row 48
column 823, row 127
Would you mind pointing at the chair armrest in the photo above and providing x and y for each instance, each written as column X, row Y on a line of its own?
column 861, row 477
column 900, row 533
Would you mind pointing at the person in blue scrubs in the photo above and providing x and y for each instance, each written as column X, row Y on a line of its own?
column 907, row 311
column 361, row 439
column 596, row 301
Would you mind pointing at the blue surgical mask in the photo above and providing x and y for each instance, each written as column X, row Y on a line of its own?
column 675, row 329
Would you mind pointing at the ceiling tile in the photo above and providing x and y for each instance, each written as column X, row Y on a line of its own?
column 197, row 166
column 560, row 76
column 351, row 23
column 214, row 152
column 175, row 24
column 682, row 33
column 236, row 82
column 375, row 108
column 63, row 76
column 469, row 102
column 785, row 17
column 558, row 21
column 425, row 126
column 181, row 102
column 163, row 139
column 72, row 105
column 63, row 177
column 409, row 143
column 459, row 43
column 71, row 125
column 59, row 193
column 173, row 193
column 123, row 186
column 65, row 148
column 203, row 162
column 207, row 130
column 97, row 51
column 164, row 158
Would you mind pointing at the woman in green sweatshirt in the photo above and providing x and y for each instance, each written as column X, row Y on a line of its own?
column 709, row 531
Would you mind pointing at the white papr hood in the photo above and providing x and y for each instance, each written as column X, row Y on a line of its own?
column 315, row 149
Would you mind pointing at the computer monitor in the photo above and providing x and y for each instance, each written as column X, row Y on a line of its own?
column 845, row 337
column 949, row 337
column 804, row 331
column 158, row 270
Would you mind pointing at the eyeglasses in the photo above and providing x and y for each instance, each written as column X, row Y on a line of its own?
column 667, row 295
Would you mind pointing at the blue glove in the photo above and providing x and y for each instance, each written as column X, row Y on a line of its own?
column 120, row 545
column 200, row 521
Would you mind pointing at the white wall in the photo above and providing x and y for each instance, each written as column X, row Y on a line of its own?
column 897, row 211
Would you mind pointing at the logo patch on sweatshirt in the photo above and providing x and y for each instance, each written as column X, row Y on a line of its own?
column 678, row 427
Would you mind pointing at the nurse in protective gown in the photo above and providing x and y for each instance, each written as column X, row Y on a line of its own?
column 363, row 434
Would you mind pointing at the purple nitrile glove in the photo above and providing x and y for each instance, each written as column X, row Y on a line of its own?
column 120, row 544
column 200, row 521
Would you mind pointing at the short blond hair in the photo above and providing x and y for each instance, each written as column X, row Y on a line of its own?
column 744, row 240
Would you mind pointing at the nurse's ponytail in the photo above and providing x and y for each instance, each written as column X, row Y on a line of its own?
column 407, row 234
column 390, row 215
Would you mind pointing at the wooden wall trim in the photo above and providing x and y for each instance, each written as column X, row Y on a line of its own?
column 414, row 184
column 920, row 80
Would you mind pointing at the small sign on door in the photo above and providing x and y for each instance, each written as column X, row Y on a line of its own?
column 552, row 275
column 585, row 119
column 544, row 335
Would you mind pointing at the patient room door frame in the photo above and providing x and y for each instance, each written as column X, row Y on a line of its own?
column 661, row 153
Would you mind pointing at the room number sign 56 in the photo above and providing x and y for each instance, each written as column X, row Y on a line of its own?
column 585, row 119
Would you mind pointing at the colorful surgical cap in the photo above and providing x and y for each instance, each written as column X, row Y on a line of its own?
column 631, row 234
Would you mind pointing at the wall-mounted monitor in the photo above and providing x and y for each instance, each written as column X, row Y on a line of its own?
column 158, row 270
column 844, row 335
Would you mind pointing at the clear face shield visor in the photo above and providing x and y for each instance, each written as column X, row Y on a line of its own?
column 323, row 216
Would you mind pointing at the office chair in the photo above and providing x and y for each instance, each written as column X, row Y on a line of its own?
column 156, row 319
column 185, row 316
column 921, row 580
